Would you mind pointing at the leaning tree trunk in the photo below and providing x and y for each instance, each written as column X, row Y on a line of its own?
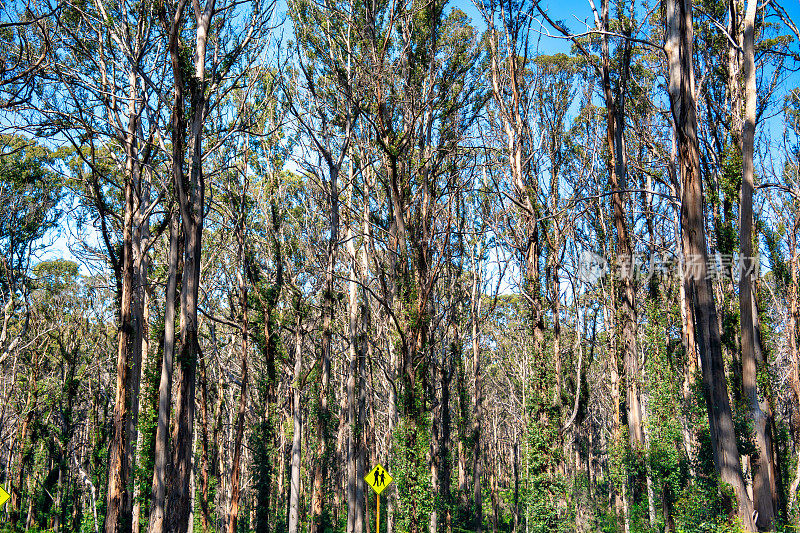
column 679, row 40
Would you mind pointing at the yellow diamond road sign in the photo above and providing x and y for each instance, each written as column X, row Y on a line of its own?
column 4, row 496
column 378, row 479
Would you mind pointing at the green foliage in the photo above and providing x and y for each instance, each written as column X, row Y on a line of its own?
column 29, row 186
column 147, row 424
column 262, row 444
column 411, row 473
column 726, row 224
column 545, row 487
column 699, row 510
column 30, row 190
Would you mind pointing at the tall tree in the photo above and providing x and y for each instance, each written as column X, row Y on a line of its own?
column 681, row 87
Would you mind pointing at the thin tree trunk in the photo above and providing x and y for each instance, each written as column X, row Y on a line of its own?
column 233, row 513
column 764, row 488
column 362, row 523
column 141, row 316
column 26, row 451
column 163, row 474
column 445, row 496
column 794, row 349
column 205, row 515
column 118, row 498
column 297, row 418
column 355, row 521
column 241, row 276
column 477, row 406
column 617, row 170
column 161, row 446
column 515, row 473
column 321, row 458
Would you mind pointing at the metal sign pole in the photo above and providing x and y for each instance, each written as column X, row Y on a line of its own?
column 378, row 515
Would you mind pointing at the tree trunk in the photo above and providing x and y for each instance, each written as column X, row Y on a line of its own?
column 794, row 338
column 515, row 472
column 764, row 488
column 161, row 445
column 163, row 475
column 192, row 204
column 681, row 87
column 25, row 453
column 205, row 514
column 355, row 517
column 297, row 418
column 321, row 457
column 233, row 513
column 141, row 314
column 617, row 170
column 118, row 499
column 445, row 378
column 477, row 406
column 241, row 275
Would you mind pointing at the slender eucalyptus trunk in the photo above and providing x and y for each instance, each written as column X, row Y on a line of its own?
column 241, row 275
column 26, row 452
column 163, row 467
column 355, row 507
column 794, row 348
column 477, row 407
column 233, row 513
column 205, row 512
column 191, row 198
column 161, row 445
column 118, row 498
column 297, row 419
column 321, row 456
column 764, row 481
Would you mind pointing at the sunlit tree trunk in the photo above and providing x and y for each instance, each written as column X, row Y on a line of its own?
column 118, row 498
column 297, row 421
column 764, row 482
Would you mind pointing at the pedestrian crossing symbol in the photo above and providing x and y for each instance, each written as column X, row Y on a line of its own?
column 378, row 479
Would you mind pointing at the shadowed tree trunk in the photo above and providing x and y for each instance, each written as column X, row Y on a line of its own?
column 191, row 199
column 681, row 87
column 161, row 446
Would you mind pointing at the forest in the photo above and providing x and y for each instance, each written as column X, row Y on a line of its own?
column 537, row 261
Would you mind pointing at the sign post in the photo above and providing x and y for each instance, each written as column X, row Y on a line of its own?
column 378, row 478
